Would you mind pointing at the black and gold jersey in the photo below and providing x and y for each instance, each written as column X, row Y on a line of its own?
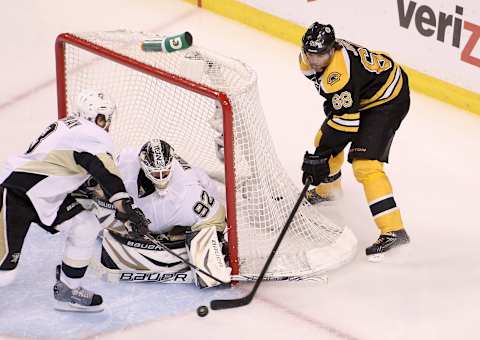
column 355, row 80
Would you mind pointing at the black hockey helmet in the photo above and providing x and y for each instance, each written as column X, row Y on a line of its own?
column 318, row 38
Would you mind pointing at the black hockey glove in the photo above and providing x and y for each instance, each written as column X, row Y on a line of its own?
column 86, row 190
column 315, row 166
column 134, row 218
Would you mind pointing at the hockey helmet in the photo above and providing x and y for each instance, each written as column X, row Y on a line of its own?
column 318, row 38
column 95, row 106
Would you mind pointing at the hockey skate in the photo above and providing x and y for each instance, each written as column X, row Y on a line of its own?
column 313, row 197
column 75, row 300
column 385, row 243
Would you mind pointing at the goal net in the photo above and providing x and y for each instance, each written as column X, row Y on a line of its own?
column 178, row 97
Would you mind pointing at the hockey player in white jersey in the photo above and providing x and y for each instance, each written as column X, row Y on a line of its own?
column 182, row 203
column 36, row 187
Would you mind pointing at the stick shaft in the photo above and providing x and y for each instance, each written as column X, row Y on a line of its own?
column 224, row 304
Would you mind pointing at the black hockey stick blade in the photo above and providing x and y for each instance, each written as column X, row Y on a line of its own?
column 243, row 301
column 232, row 303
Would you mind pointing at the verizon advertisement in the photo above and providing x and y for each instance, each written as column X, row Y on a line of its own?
column 437, row 37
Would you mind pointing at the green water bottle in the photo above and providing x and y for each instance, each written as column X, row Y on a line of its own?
column 168, row 44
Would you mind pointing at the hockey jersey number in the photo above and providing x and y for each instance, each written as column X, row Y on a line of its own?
column 202, row 208
column 374, row 62
column 343, row 99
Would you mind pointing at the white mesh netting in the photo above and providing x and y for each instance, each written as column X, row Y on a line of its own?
column 149, row 107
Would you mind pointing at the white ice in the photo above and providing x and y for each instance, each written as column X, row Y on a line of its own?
column 431, row 293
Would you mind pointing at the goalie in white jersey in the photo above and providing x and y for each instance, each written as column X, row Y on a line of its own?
column 36, row 187
column 186, row 214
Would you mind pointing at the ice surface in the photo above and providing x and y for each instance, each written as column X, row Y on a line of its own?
column 26, row 307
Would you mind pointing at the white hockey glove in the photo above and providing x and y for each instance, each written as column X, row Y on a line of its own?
column 205, row 251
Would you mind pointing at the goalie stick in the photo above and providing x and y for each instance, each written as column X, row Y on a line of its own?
column 243, row 301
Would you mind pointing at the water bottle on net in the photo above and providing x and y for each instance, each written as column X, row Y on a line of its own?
column 169, row 43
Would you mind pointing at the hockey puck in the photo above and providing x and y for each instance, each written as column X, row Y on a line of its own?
column 202, row 311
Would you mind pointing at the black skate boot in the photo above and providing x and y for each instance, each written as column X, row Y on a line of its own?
column 313, row 197
column 75, row 300
column 386, row 242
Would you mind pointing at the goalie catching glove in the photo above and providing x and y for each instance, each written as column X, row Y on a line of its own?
column 133, row 217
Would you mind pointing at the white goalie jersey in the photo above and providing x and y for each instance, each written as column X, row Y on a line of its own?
column 191, row 198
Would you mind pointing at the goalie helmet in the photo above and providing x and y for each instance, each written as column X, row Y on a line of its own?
column 156, row 160
column 95, row 106
column 318, row 38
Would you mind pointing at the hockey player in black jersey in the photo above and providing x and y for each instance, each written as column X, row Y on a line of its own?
column 366, row 98
column 37, row 186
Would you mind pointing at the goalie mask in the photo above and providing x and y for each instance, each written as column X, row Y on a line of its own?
column 156, row 160
column 95, row 106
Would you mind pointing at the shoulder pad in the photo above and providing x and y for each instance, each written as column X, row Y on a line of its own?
column 337, row 74
column 304, row 65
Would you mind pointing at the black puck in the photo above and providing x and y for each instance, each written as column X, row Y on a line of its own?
column 202, row 311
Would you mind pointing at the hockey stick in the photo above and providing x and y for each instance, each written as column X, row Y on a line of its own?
column 233, row 303
column 152, row 239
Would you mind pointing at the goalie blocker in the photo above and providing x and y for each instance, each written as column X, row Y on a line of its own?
column 131, row 259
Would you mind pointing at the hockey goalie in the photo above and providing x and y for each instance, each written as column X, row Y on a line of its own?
column 186, row 215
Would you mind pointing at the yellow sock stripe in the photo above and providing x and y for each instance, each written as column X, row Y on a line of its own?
column 377, row 186
column 291, row 32
column 391, row 221
column 378, row 189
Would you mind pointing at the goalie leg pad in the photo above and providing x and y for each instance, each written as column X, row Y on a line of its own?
column 123, row 254
column 205, row 251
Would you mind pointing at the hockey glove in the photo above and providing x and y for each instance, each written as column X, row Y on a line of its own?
column 315, row 166
column 134, row 218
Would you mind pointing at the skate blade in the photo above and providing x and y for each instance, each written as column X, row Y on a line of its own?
column 395, row 255
column 72, row 307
